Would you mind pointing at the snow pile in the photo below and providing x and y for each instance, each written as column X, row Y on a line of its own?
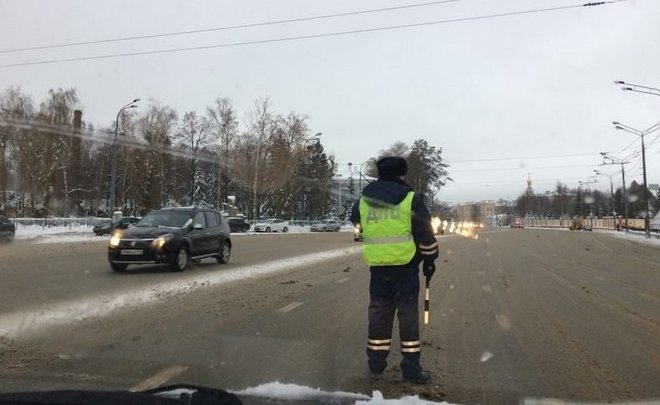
column 377, row 399
column 636, row 237
column 293, row 392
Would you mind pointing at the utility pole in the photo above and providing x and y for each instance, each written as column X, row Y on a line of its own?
column 641, row 134
column 638, row 88
column 622, row 162
column 647, row 218
column 598, row 172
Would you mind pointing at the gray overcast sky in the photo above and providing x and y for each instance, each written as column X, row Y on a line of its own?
column 512, row 87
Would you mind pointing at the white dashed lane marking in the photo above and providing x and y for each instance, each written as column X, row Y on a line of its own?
column 159, row 378
column 342, row 280
column 290, row 307
column 487, row 288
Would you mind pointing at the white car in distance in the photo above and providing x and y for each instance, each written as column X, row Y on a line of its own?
column 272, row 225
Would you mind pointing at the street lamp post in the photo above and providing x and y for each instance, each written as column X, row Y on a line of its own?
column 591, row 180
column 316, row 136
column 360, row 175
column 638, row 88
column 622, row 162
column 113, row 179
column 599, row 173
column 641, row 134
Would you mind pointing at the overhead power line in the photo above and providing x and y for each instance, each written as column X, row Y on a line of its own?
column 527, row 169
column 523, row 157
column 545, row 180
column 313, row 36
column 226, row 28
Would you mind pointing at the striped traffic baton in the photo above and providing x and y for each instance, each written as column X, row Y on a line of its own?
column 426, row 302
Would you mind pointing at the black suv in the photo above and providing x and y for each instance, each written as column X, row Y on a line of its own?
column 174, row 236
column 7, row 229
column 238, row 224
column 107, row 227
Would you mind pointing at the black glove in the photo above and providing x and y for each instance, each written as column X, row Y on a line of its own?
column 429, row 269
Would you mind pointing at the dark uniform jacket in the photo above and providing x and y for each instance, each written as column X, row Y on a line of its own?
column 393, row 192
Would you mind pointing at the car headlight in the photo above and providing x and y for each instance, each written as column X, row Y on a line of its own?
column 161, row 241
column 116, row 238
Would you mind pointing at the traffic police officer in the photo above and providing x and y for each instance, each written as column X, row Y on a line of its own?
column 397, row 234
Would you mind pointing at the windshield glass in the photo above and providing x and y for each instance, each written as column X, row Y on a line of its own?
column 450, row 200
column 170, row 219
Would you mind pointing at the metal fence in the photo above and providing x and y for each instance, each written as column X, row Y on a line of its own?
column 58, row 222
column 91, row 221
column 596, row 223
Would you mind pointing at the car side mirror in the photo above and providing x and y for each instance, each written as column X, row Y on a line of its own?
column 198, row 226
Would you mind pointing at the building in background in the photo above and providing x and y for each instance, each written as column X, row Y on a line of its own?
column 480, row 212
column 346, row 185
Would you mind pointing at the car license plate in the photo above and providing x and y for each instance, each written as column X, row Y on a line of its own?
column 131, row 252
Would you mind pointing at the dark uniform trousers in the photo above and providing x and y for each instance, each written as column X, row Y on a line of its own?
column 389, row 294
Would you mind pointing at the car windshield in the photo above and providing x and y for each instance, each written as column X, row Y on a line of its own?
column 171, row 219
column 254, row 195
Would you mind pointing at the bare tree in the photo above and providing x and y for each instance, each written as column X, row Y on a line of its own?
column 13, row 104
column 224, row 127
column 261, row 128
column 194, row 134
column 156, row 127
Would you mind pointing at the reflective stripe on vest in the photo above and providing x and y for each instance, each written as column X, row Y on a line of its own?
column 387, row 232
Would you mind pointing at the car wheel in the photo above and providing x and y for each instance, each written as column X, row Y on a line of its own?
column 225, row 253
column 285, row 229
column 337, row 229
column 268, row 229
column 181, row 261
column 118, row 267
column 323, row 230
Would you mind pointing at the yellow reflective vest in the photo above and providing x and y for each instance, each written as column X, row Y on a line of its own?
column 387, row 232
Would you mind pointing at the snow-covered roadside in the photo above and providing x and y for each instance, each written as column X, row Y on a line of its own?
column 637, row 237
column 292, row 229
column 56, row 234
column 83, row 233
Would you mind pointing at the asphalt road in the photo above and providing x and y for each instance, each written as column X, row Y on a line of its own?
column 515, row 314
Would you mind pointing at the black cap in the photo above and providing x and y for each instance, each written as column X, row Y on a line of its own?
column 391, row 167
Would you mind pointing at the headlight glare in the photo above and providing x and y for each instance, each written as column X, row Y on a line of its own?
column 116, row 238
column 161, row 241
